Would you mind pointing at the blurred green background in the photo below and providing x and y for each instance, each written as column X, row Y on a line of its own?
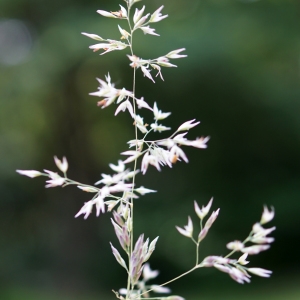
column 241, row 79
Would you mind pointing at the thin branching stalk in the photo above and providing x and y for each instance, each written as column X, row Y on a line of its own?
column 116, row 193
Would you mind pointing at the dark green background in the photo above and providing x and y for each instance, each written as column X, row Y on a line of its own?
column 240, row 79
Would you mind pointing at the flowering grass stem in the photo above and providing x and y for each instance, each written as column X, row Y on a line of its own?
column 117, row 192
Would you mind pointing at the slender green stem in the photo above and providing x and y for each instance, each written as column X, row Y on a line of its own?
column 131, row 233
column 147, row 134
column 72, row 182
column 198, row 244
column 150, row 298
column 136, row 148
column 229, row 254
column 183, row 274
column 194, row 241
column 244, row 242
column 197, row 254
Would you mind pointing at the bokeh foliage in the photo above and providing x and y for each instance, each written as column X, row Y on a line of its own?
column 241, row 79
